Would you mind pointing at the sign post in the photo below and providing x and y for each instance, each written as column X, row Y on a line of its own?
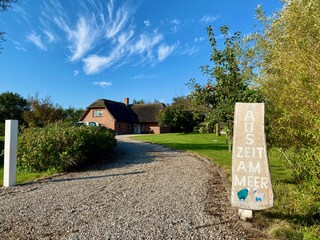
column 251, row 182
column 10, row 153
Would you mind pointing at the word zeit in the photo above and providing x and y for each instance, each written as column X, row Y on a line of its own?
column 249, row 159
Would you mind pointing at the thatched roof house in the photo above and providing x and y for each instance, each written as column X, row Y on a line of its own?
column 125, row 118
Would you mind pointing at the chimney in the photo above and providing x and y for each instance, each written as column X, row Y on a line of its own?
column 126, row 101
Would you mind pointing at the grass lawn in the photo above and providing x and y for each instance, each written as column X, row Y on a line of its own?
column 21, row 176
column 285, row 220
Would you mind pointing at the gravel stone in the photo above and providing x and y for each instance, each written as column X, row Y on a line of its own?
column 142, row 191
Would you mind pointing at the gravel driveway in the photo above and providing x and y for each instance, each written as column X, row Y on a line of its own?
column 145, row 192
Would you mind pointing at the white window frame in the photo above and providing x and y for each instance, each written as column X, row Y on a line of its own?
column 97, row 113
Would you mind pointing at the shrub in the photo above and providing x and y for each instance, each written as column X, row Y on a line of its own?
column 62, row 147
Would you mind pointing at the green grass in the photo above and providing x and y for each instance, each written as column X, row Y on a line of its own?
column 207, row 145
column 286, row 220
column 22, row 177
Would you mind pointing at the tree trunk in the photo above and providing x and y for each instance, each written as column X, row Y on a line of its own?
column 218, row 130
column 229, row 141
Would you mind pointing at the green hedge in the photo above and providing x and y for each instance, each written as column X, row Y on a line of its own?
column 61, row 147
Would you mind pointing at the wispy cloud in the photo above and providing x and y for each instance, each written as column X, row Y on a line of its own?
column 95, row 64
column 208, row 19
column 145, row 44
column 81, row 35
column 193, row 47
column 76, row 73
column 50, row 36
column 102, row 84
column 189, row 49
column 142, row 46
column 21, row 12
column 165, row 50
column 19, row 46
column 175, row 24
column 82, row 38
column 144, row 76
column 36, row 40
column 147, row 23
column 103, row 34
column 117, row 19
column 199, row 39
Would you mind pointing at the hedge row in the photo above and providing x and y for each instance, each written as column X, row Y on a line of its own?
column 61, row 147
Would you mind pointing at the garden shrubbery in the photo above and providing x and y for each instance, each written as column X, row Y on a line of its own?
column 62, row 147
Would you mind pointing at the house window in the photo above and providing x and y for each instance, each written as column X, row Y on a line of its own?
column 119, row 125
column 97, row 113
column 129, row 126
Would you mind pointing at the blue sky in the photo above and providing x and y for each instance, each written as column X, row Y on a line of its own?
column 77, row 51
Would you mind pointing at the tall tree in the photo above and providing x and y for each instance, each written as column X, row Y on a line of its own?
column 42, row 112
column 179, row 119
column 182, row 115
column 289, row 47
column 12, row 106
column 232, row 72
column 72, row 114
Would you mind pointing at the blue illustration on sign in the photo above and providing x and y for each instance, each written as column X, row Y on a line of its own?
column 243, row 194
column 258, row 195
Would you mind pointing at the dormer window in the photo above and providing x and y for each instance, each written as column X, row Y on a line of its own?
column 97, row 113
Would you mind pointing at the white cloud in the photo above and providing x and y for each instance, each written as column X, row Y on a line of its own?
column 75, row 73
column 36, row 40
column 125, row 37
column 19, row 46
column 22, row 13
column 208, row 19
column 50, row 36
column 199, row 39
column 82, row 38
column 174, row 23
column 164, row 51
column 103, row 35
column 144, row 76
column 145, row 44
column 189, row 49
column 102, row 84
column 118, row 20
column 95, row 64
column 147, row 23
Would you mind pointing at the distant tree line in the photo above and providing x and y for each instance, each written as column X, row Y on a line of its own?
column 34, row 111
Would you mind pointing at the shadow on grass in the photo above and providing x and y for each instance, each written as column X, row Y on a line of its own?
column 301, row 219
column 195, row 146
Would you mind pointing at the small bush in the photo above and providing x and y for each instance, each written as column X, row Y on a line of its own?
column 62, row 147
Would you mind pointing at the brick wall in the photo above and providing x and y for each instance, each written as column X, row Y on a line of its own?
column 105, row 120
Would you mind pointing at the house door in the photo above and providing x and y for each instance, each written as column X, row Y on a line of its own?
column 137, row 129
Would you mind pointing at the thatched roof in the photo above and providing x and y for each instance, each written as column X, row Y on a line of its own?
column 147, row 112
column 120, row 111
column 137, row 113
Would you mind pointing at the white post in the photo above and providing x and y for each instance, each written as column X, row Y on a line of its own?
column 10, row 153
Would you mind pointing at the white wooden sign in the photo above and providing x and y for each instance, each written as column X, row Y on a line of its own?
column 10, row 153
column 251, row 182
